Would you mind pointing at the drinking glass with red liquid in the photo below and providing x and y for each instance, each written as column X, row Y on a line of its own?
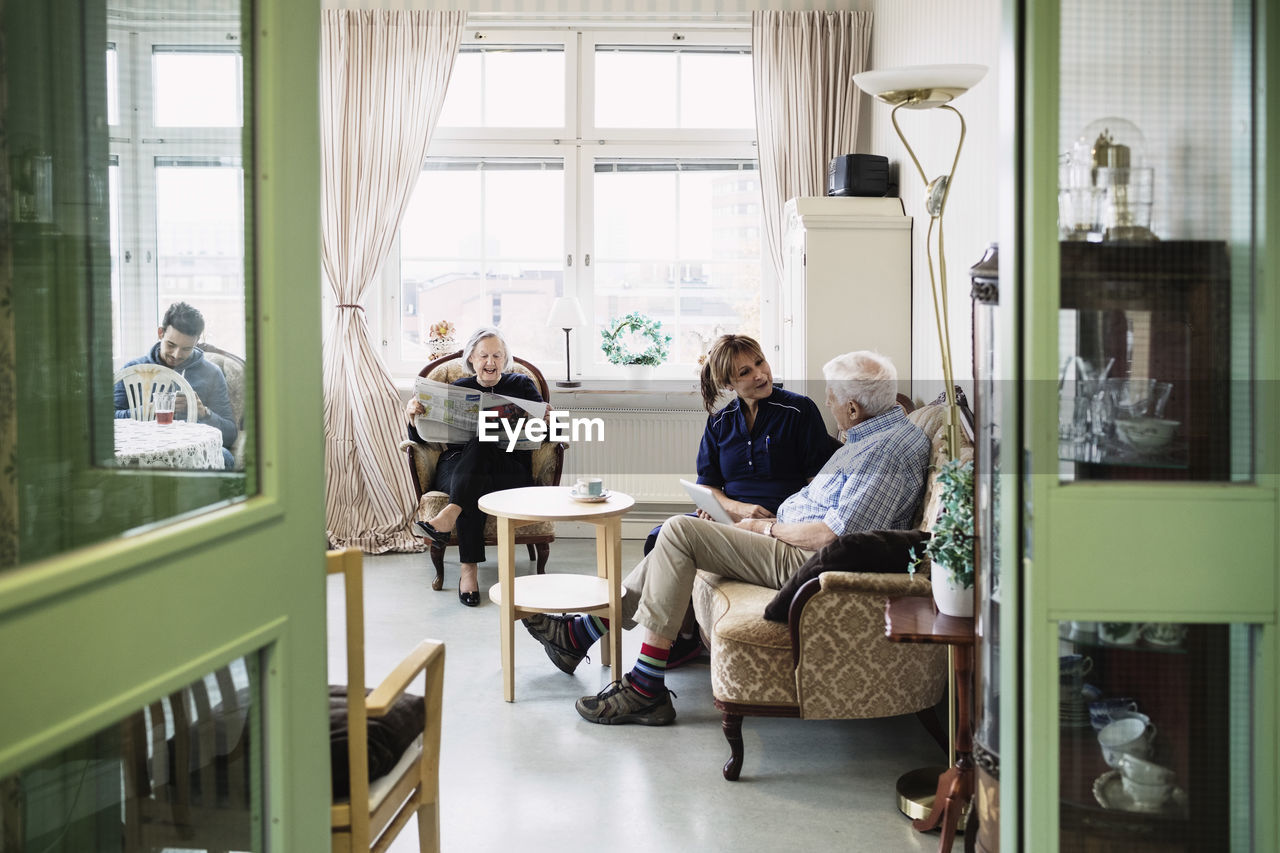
column 164, row 401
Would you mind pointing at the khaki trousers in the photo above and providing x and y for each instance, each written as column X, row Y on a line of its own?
column 657, row 591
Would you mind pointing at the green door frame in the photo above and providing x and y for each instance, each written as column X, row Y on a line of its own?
column 95, row 633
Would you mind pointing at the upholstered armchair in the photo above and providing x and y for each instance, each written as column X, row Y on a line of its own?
column 548, row 462
column 831, row 659
column 232, row 367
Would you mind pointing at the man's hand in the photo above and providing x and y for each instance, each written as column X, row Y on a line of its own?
column 755, row 525
column 180, row 406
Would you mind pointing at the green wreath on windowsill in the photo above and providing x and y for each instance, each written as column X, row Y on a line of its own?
column 635, row 338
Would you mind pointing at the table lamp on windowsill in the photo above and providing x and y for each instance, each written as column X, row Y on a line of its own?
column 924, row 87
column 566, row 313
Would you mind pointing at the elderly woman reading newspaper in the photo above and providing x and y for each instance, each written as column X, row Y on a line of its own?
column 473, row 468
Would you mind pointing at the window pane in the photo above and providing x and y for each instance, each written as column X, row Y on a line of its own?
column 196, row 88
column 635, row 89
column 716, row 90
column 113, row 85
column 679, row 241
column 506, row 86
column 126, row 780
column 200, row 241
column 1156, row 199
column 640, row 87
column 1175, row 696
column 479, row 257
column 113, row 212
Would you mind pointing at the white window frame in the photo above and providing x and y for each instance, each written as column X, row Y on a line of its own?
column 137, row 143
column 578, row 143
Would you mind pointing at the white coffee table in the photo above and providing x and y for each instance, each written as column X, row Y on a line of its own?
column 557, row 593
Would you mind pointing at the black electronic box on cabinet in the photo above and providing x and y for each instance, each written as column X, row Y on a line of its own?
column 858, row 174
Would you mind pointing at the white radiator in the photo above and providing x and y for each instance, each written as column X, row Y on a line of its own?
column 644, row 453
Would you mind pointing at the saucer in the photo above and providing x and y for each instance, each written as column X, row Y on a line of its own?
column 589, row 499
column 1108, row 790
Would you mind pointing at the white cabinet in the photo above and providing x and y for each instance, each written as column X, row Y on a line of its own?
column 846, row 286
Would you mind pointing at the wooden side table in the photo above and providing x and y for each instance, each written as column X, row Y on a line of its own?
column 915, row 620
column 557, row 593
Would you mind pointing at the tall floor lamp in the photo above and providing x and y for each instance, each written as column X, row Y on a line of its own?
column 566, row 312
column 923, row 87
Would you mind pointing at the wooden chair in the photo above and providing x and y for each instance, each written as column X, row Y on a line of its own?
column 185, row 765
column 376, row 811
column 233, row 370
column 548, row 463
column 141, row 381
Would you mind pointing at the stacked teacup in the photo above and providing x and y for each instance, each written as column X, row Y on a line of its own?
column 1149, row 785
column 1131, row 735
column 1071, row 704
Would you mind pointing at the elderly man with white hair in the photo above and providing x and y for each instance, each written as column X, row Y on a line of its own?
column 874, row 482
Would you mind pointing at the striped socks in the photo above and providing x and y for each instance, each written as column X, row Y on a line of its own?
column 649, row 675
column 585, row 630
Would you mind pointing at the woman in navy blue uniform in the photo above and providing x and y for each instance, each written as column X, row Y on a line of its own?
column 767, row 443
column 756, row 451
column 469, row 471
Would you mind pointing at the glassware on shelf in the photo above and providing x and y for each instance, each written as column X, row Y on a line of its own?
column 1106, row 190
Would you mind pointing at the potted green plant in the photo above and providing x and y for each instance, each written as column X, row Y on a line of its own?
column 635, row 341
column 950, row 548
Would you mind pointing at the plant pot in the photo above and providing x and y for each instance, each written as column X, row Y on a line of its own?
column 638, row 371
column 951, row 598
column 441, row 346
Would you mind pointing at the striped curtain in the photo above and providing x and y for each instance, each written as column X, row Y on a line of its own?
column 383, row 80
column 806, row 104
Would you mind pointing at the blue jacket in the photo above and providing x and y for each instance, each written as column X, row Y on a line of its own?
column 206, row 380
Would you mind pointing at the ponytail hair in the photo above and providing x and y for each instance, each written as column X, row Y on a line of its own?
column 717, row 367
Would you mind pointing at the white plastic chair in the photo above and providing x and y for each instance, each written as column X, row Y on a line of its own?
column 141, row 381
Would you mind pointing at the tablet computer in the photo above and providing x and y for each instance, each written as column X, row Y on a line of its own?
column 706, row 500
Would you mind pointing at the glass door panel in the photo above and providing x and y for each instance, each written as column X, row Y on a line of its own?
column 1154, row 359
column 182, row 772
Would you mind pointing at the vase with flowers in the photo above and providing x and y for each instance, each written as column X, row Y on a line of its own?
column 440, row 340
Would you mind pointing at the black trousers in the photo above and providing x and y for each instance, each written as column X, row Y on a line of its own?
column 471, row 471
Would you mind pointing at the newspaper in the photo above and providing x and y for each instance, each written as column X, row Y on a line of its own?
column 451, row 414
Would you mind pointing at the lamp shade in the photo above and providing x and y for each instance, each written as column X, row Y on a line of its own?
column 920, row 87
column 566, row 313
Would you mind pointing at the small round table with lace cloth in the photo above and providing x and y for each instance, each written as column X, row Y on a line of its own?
column 147, row 444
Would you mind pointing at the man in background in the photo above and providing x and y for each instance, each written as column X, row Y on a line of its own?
column 181, row 327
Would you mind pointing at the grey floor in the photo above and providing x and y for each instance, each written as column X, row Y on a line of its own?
column 531, row 775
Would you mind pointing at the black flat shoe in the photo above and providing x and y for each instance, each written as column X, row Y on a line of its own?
column 470, row 599
column 425, row 529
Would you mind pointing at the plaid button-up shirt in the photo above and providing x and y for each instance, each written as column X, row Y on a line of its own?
column 874, row 482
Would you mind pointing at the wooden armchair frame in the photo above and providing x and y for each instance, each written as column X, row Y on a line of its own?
column 414, row 786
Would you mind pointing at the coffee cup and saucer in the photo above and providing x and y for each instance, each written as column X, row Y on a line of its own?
column 589, row 490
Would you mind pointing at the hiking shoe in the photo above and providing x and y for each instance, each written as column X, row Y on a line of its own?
column 621, row 703
column 553, row 633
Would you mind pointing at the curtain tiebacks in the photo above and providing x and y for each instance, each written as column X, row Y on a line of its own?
column 350, row 305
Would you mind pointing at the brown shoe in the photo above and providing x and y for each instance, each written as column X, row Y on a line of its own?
column 621, row 703
column 553, row 633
